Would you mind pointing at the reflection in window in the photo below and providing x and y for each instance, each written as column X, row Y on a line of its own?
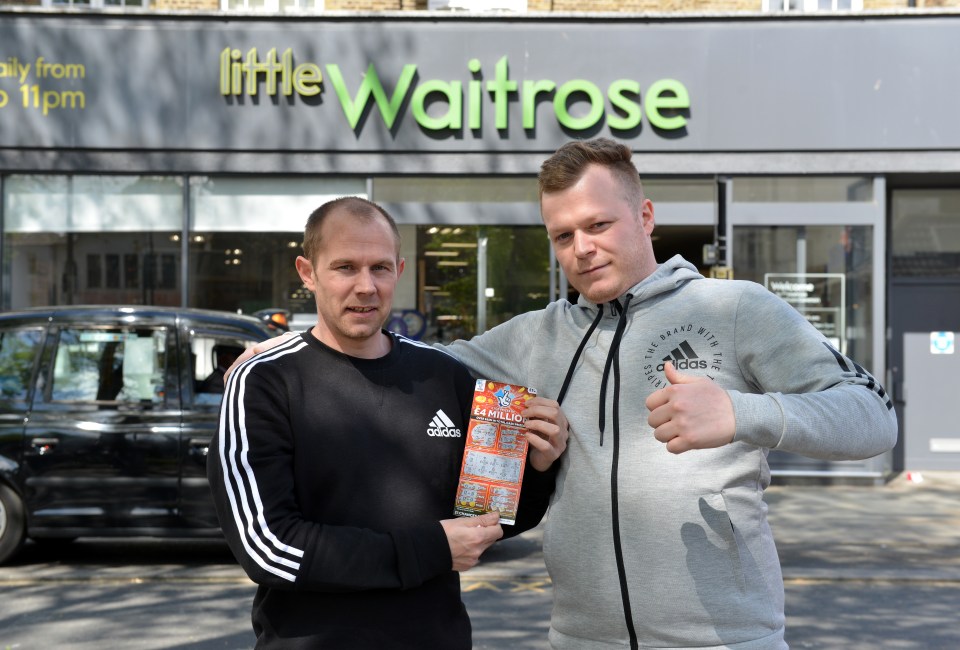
column 168, row 271
column 113, row 271
column 131, row 271
column 233, row 263
column 926, row 233
column 517, row 276
column 110, row 365
column 18, row 352
column 94, row 271
column 62, row 230
column 232, row 270
column 845, row 251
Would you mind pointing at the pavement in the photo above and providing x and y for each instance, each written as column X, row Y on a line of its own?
column 907, row 529
column 865, row 567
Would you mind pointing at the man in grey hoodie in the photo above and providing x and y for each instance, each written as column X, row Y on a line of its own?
column 657, row 535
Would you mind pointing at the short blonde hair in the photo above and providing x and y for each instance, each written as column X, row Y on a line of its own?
column 564, row 168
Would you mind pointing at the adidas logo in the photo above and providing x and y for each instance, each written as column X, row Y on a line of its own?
column 441, row 425
column 684, row 358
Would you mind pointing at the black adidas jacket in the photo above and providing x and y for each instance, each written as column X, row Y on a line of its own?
column 330, row 481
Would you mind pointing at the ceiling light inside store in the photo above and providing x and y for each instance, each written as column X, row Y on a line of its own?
column 441, row 253
column 450, row 263
column 459, row 244
column 433, row 231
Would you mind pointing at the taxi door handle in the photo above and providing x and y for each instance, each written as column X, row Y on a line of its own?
column 44, row 445
column 199, row 447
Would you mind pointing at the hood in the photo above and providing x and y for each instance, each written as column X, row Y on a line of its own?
column 669, row 276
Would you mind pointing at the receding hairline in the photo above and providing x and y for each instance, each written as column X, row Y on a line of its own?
column 350, row 206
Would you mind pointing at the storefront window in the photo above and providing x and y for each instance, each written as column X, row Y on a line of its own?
column 823, row 271
column 241, row 271
column 791, row 189
column 246, row 236
column 453, row 259
column 91, row 240
column 926, row 233
column 481, row 253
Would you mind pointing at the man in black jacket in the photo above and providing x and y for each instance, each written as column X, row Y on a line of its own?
column 333, row 488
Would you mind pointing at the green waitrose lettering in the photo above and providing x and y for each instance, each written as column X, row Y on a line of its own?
column 663, row 102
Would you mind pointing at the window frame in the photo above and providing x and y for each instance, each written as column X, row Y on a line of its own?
column 272, row 6
column 97, row 4
column 20, row 331
column 161, row 332
column 806, row 6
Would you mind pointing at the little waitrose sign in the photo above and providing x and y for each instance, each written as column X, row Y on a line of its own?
column 439, row 105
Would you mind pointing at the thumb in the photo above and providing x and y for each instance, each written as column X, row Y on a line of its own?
column 674, row 376
column 488, row 519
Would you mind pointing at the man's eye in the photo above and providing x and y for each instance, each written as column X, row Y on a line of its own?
column 562, row 237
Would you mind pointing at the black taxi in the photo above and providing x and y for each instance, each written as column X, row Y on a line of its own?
column 106, row 414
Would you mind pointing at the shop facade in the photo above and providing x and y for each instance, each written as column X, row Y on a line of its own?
column 173, row 159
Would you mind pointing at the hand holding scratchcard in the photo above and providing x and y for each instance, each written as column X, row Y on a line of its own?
column 504, row 420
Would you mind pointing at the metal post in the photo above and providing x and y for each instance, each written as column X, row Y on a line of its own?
column 481, row 284
column 185, row 244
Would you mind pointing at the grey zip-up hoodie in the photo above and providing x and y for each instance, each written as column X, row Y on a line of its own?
column 655, row 550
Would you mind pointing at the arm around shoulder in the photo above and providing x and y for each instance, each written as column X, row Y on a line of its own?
column 501, row 353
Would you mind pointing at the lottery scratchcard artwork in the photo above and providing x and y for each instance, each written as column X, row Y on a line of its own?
column 496, row 451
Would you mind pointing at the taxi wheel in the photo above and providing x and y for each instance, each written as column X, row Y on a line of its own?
column 11, row 523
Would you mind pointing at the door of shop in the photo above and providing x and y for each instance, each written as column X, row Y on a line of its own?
column 924, row 383
column 925, row 300
column 818, row 243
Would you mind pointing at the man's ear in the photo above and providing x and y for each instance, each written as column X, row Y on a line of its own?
column 305, row 269
column 400, row 266
column 646, row 216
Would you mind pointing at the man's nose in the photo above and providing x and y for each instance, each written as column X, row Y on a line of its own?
column 582, row 244
column 365, row 283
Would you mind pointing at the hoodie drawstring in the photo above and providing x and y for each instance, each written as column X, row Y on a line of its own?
column 576, row 357
column 612, row 355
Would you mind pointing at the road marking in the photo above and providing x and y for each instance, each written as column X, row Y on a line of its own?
column 536, row 585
